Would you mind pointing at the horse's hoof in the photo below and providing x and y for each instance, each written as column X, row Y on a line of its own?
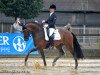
column 75, row 68
column 45, row 65
column 53, row 64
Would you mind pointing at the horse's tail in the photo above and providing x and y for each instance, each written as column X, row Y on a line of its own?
column 77, row 48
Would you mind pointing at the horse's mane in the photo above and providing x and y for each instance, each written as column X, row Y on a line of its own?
column 35, row 24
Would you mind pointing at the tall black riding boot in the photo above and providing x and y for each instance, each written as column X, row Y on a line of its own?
column 51, row 40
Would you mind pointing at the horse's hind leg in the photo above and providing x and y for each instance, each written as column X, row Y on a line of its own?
column 61, row 53
column 69, row 46
column 74, row 56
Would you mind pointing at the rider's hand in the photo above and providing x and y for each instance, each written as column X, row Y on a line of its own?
column 45, row 25
column 43, row 21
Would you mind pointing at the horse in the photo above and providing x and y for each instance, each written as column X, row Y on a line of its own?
column 68, row 39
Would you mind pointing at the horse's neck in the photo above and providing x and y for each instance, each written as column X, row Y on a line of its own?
column 37, row 36
column 36, row 29
column 38, row 32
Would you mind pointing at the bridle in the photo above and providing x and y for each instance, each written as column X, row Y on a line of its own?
column 27, row 31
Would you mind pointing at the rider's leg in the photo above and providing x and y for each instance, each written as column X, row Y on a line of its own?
column 51, row 31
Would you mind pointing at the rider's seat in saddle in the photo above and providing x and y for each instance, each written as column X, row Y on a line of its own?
column 55, row 35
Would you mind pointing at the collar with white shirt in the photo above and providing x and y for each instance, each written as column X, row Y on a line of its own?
column 51, row 13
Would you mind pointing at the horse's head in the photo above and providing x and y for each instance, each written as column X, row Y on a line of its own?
column 29, row 28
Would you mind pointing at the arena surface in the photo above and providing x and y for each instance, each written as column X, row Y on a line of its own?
column 15, row 66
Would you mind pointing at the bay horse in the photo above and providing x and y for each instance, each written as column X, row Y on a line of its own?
column 68, row 40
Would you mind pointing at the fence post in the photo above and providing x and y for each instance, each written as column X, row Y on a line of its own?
column 2, row 27
column 84, row 31
column 11, row 29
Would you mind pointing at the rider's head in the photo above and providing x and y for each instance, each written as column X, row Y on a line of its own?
column 52, row 8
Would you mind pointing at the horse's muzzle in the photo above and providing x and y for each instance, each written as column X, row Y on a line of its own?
column 26, row 39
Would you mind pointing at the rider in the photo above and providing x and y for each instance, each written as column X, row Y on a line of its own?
column 51, row 22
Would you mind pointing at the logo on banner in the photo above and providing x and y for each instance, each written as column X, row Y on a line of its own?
column 19, row 44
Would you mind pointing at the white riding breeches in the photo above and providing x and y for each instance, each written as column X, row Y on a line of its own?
column 51, row 31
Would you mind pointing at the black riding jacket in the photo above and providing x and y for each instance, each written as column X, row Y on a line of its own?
column 52, row 20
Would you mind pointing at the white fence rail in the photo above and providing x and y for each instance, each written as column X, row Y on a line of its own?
column 88, row 40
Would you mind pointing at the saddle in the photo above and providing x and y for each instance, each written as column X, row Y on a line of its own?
column 55, row 35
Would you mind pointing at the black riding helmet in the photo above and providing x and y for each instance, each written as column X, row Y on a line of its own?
column 52, row 6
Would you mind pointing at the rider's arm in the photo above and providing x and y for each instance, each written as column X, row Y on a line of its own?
column 54, row 20
column 51, row 21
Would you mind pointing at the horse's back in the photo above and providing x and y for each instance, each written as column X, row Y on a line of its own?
column 66, row 38
column 65, row 33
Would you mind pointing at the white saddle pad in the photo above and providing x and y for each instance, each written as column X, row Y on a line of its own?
column 56, row 35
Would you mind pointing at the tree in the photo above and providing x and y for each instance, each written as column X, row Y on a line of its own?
column 25, row 9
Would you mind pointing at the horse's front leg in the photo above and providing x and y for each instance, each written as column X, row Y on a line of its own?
column 26, row 58
column 43, row 57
